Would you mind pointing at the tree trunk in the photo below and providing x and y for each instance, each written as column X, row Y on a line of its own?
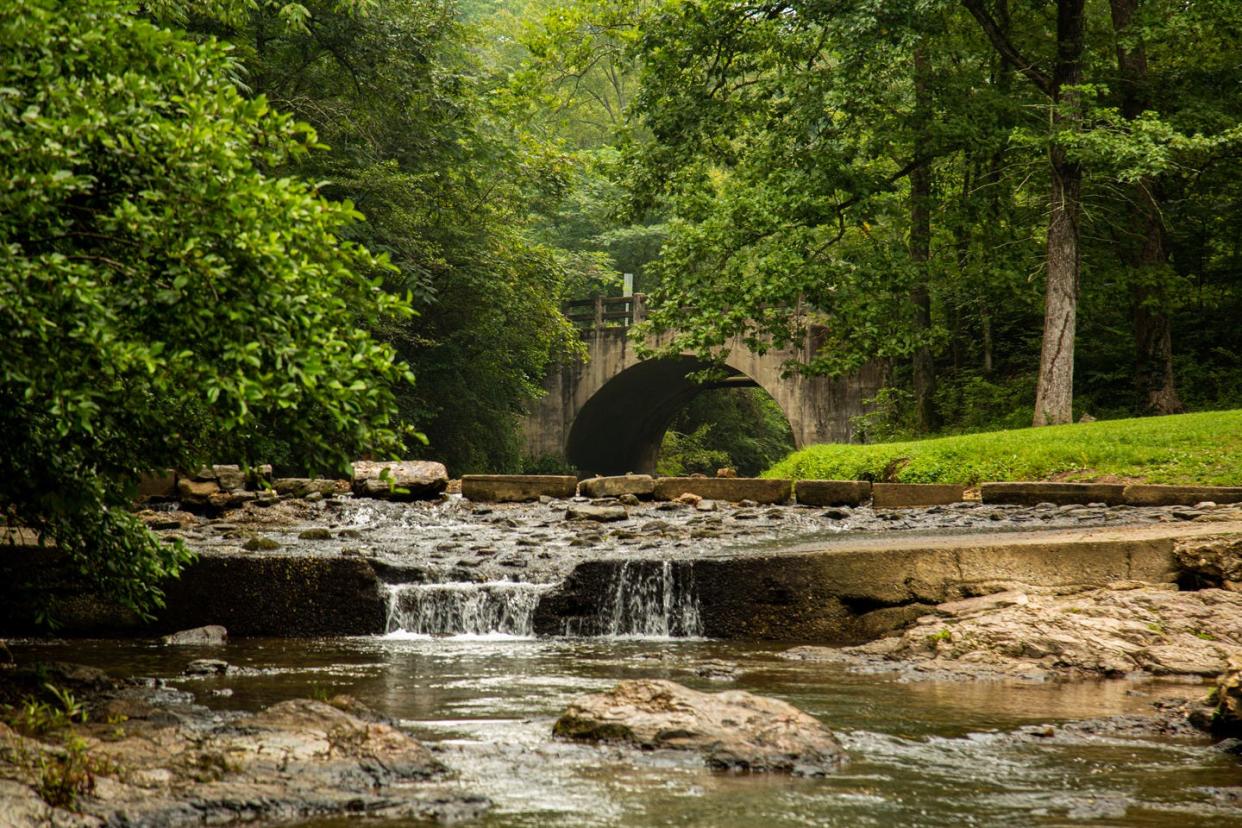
column 1144, row 251
column 920, row 243
column 1054, row 395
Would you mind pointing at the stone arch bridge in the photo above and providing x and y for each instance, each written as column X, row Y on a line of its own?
column 608, row 415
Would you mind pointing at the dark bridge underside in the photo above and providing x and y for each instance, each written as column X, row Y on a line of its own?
column 620, row 428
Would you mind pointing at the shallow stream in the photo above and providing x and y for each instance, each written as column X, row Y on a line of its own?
column 925, row 754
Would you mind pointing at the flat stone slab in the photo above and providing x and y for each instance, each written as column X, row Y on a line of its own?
column 731, row 489
column 639, row 485
column 1062, row 494
column 1151, row 495
column 516, row 488
column 833, row 492
column 914, row 495
column 399, row 479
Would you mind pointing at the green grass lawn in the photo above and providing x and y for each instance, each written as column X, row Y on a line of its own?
column 1201, row 448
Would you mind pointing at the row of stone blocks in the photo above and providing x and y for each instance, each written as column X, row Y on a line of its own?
column 513, row 488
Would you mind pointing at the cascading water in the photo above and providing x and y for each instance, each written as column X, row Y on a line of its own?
column 650, row 599
column 464, row 608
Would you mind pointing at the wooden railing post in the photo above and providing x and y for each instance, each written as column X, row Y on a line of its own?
column 599, row 314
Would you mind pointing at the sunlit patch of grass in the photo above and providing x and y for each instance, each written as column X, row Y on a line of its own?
column 1203, row 448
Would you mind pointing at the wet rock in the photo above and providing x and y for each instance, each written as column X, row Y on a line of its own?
column 717, row 671
column 628, row 499
column 687, row 499
column 1227, row 718
column 705, row 506
column 209, row 635
column 206, row 667
column 732, row 730
column 261, row 544
column 600, row 514
column 317, row 533
column 178, row 764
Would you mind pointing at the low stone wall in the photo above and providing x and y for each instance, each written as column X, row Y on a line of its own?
column 250, row 595
column 851, row 592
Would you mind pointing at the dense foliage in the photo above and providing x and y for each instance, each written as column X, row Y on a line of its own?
column 921, row 182
column 164, row 301
column 417, row 140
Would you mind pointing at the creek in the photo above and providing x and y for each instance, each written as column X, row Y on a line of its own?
column 460, row 668
column 928, row 754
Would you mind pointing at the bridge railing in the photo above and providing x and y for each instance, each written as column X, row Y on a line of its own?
column 603, row 312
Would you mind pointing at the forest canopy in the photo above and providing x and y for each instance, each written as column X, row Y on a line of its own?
column 303, row 232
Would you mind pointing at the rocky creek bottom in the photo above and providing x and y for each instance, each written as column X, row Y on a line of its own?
column 925, row 754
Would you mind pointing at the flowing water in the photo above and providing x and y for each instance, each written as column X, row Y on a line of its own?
column 921, row 754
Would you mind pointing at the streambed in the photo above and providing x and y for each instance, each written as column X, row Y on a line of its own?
column 985, row 753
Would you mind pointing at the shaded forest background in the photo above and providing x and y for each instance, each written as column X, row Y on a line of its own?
column 883, row 164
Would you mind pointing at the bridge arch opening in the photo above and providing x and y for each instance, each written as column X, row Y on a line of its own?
column 620, row 428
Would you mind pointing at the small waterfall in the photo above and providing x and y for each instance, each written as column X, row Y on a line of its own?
column 651, row 599
column 464, row 608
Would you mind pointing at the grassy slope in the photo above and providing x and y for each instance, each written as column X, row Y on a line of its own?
column 1201, row 448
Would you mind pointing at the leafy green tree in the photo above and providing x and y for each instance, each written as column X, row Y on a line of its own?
column 164, row 300
column 420, row 142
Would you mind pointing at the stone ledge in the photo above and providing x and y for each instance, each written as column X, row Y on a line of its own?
column 731, row 489
column 1153, row 495
column 516, row 488
column 832, row 492
column 1062, row 494
column 914, row 495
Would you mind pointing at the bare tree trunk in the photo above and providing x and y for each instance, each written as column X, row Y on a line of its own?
column 1054, row 395
column 1144, row 252
column 920, row 242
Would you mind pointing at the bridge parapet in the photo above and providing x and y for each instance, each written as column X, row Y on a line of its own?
column 602, row 312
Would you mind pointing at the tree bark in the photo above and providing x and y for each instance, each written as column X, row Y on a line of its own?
column 1144, row 250
column 1054, row 395
column 920, row 243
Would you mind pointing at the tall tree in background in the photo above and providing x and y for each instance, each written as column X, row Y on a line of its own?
column 1142, row 245
column 1054, row 395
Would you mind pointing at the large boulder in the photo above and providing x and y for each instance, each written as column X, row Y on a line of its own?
column 399, row 479
column 733, row 730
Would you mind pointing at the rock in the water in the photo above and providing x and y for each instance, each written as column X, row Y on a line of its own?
column 206, row 667
column 601, row 514
column 1228, row 718
column 210, row 635
column 399, row 480
column 733, row 730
